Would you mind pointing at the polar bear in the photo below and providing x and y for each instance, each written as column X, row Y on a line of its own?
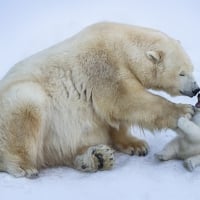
column 186, row 145
column 73, row 104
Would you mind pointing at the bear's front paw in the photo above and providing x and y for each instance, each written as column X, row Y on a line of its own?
column 134, row 147
column 185, row 110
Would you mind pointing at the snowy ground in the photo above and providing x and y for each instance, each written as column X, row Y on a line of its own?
column 29, row 26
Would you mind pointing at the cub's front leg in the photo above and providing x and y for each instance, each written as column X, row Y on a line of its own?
column 189, row 129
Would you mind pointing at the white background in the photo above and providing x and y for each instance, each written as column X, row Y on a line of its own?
column 29, row 26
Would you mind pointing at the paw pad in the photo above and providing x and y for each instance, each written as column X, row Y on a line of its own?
column 99, row 157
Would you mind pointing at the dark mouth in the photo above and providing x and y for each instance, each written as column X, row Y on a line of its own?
column 197, row 105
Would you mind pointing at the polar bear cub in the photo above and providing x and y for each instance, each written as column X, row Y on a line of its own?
column 186, row 145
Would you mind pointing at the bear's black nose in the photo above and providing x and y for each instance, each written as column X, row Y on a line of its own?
column 195, row 91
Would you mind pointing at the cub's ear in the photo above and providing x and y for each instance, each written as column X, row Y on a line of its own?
column 155, row 56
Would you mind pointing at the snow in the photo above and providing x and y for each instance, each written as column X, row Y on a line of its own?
column 29, row 26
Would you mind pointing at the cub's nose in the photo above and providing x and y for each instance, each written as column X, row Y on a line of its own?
column 195, row 91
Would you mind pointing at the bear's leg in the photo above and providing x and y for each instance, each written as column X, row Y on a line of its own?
column 91, row 159
column 19, row 157
column 170, row 151
column 20, row 130
column 130, row 103
column 192, row 162
column 124, row 142
column 18, row 166
column 135, row 105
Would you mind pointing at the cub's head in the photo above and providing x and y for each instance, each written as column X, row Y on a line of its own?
column 173, row 69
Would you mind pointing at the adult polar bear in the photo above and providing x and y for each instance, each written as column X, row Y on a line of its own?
column 67, row 104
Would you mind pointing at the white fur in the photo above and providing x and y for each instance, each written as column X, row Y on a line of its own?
column 88, row 90
column 99, row 157
column 186, row 145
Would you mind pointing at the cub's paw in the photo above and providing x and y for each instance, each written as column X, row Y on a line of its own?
column 185, row 110
column 182, row 121
column 188, row 164
column 162, row 156
column 99, row 157
column 134, row 147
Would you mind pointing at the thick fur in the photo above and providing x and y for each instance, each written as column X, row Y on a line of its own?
column 186, row 145
column 59, row 105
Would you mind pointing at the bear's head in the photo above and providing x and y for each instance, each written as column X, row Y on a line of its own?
column 172, row 69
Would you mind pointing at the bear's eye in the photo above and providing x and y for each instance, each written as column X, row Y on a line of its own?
column 182, row 74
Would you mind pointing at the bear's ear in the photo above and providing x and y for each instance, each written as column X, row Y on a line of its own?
column 155, row 56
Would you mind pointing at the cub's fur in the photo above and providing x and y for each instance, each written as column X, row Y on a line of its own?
column 186, row 145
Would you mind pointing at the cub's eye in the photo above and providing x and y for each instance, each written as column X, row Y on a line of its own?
column 181, row 74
